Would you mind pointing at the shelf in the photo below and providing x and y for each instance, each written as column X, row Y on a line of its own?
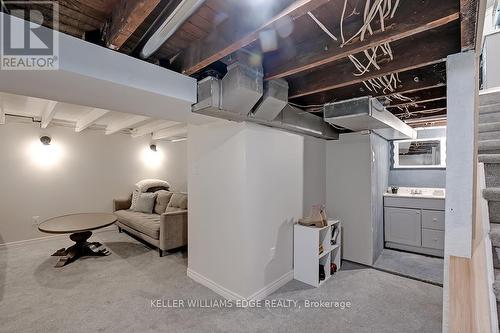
column 333, row 222
column 333, row 247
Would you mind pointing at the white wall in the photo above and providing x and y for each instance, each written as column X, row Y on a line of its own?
column 247, row 185
column 349, row 194
column 314, row 172
column 92, row 170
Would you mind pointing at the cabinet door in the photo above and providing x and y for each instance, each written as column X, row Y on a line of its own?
column 403, row 226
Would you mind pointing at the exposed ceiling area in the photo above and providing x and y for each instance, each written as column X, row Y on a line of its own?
column 327, row 50
column 80, row 118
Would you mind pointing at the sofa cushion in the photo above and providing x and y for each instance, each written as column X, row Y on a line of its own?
column 145, row 203
column 177, row 202
column 162, row 200
column 148, row 224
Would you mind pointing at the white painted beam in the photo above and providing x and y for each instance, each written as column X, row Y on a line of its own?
column 116, row 82
column 126, row 123
column 170, row 132
column 89, row 119
column 2, row 111
column 48, row 113
column 151, row 127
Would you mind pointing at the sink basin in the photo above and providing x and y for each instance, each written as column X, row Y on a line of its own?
column 418, row 192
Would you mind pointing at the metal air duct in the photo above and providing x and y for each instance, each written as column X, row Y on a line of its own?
column 367, row 113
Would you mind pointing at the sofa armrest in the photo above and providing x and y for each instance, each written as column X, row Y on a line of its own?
column 122, row 204
column 173, row 229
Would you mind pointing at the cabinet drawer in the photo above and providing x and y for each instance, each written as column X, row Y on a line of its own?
column 433, row 219
column 433, row 239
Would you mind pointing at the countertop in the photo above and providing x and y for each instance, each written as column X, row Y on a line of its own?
column 423, row 193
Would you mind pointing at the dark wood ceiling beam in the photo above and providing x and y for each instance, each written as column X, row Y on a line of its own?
column 237, row 32
column 411, row 81
column 421, row 96
column 410, row 53
column 468, row 23
column 126, row 17
column 412, row 18
column 420, row 107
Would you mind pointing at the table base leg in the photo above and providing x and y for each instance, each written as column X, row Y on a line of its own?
column 81, row 248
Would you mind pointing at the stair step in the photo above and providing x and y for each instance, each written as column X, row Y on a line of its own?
column 496, row 290
column 492, row 172
column 489, row 135
column 494, row 211
column 489, row 127
column 493, row 117
column 485, row 145
column 492, row 193
column 495, row 234
column 496, row 261
column 491, row 108
column 489, row 158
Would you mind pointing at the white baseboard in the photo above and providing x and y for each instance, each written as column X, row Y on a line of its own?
column 39, row 239
column 273, row 286
column 228, row 294
column 224, row 292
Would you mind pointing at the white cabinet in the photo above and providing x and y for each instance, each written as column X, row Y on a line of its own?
column 403, row 226
column 315, row 247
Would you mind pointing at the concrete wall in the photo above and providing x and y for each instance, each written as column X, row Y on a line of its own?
column 420, row 177
column 247, row 185
column 81, row 172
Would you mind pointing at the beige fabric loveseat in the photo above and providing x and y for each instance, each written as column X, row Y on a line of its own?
column 166, row 228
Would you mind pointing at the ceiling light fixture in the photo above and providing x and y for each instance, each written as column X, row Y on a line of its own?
column 153, row 147
column 45, row 140
column 180, row 14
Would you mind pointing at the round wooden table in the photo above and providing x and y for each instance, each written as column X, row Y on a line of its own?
column 79, row 226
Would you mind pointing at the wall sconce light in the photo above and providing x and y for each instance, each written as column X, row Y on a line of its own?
column 153, row 147
column 45, row 140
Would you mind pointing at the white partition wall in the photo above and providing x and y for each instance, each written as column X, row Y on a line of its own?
column 245, row 185
column 356, row 178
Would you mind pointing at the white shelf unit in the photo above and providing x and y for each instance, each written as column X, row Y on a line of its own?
column 306, row 255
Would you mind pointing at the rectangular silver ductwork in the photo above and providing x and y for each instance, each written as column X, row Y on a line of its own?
column 273, row 101
column 367, row 113
column 242, row 87
column 242, row 90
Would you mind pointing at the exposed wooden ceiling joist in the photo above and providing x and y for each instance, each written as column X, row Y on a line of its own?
column 411, row 81
column 126, row 17
column 123, row 124
column 419, row 107
column 468, row 23
column 410, row 53
column 412, row 17
column 237, row 32
column 48, row 113
column 421, row 96
column 89, row 119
